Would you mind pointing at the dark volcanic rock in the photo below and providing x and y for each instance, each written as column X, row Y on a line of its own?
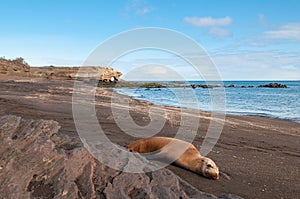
column 203, row 86
column 193, row 86
column 35, row 163
column 273, row 85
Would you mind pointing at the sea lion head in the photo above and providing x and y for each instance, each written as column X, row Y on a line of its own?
column 209, row 168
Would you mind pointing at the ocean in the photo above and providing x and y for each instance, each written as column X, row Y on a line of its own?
column 280, row 103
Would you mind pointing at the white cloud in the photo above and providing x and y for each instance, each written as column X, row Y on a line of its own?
column 138, row 7
column 242, row 65
column 290, row 68
column 152, row 72
column 262, row 20
column 259, row 65
column 208, row 21
column 219, row 31
column 142, row 11
column 288, row 31
column 212, row 23
column 157, row 70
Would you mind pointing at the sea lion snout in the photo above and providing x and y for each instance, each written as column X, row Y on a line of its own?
column 215, row 175
column 210, row 169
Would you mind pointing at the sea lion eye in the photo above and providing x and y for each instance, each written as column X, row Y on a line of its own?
column 209, row 166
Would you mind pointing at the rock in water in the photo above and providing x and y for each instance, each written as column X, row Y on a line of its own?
column 273, row 85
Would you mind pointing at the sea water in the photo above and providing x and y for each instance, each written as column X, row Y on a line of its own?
column 280, row 103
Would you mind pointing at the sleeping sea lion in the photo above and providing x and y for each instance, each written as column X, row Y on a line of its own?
column 168, row 148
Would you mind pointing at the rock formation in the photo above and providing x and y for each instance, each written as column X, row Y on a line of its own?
column 110, row 75
column 203, row 86
column 84, row 73
column 273, row 85
column 39, row 162
column 19, row 67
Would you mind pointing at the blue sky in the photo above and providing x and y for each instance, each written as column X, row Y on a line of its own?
column 256, row 39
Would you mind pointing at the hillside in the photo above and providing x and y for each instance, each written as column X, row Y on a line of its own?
column 18, row 67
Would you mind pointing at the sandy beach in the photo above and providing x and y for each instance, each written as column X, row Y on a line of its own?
column 258, row 156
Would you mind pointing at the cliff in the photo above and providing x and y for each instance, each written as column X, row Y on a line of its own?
column 86, row 72
column 19, row 67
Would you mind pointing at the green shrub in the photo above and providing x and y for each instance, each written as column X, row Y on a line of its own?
column 152, row 85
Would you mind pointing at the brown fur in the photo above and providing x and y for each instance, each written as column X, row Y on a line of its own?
column 168, row 148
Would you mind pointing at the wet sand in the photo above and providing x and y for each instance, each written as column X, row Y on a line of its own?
column 259, row 157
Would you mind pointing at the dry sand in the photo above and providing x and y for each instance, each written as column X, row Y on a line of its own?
column 259, row 157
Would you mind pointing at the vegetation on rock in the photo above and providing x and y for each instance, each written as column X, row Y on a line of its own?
column 152, row 85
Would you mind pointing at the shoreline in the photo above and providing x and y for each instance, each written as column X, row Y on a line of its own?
column 261, row 114
column 245, row 152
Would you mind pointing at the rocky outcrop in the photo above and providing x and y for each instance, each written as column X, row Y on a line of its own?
column 17, row 66
column 270, row 85
column 110, row 75
column 204, row 86
column 39, row 162
column 273, row 85
column 87, row 72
